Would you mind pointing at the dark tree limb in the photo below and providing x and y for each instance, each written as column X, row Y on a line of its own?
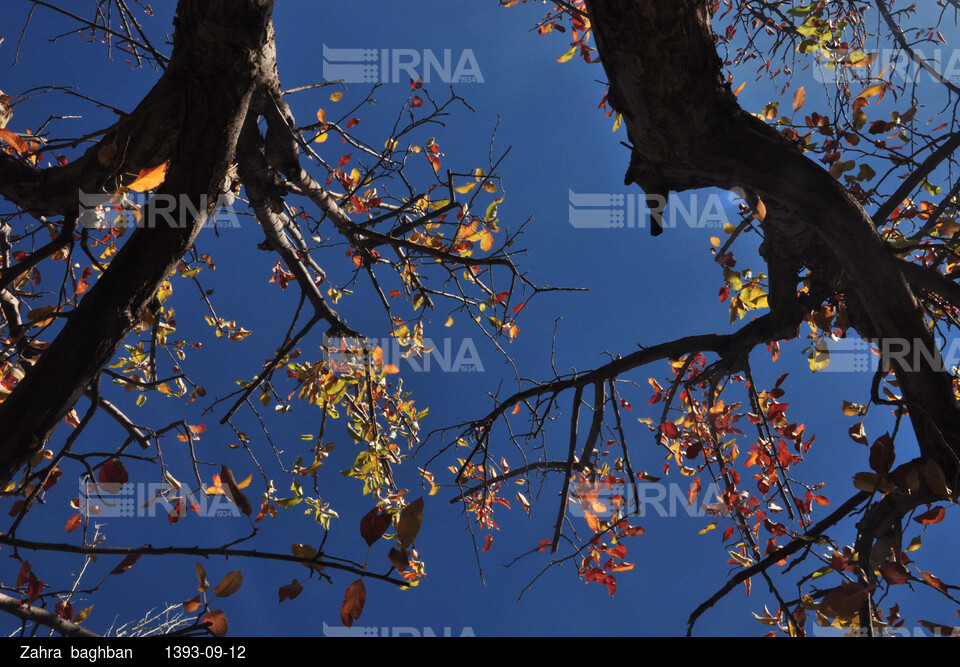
column 41, row 616
column 193, row 115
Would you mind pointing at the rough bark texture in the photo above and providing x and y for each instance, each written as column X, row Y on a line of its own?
column 688, row 132
column 223, row 49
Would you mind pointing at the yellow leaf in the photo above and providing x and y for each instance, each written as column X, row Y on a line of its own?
column 708, row 528
column 871, row 91
column 150, row 178
column 336, row 97
column 464, row 189
column 411, row 518
column 486, row 240
column 202, row 578
column 568, row 55
column 449, row 322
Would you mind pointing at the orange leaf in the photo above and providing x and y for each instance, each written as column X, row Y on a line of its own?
column 218, row 623
column 799, row 98
column 150, row 178
column 934, row 582
column 931, row 516
column 74, row 522
column 18, row 144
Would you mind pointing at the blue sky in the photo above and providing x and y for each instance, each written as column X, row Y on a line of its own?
column 641, row 291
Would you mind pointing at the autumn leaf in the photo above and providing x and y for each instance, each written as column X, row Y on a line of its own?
column 894, row 573
column 113, row 475
column 229, row 585
column 353, row 601
column 799, row 97
column 18, row 144
column 192, row 604
column 935, row 582
column 409, row 524
column 74, row 522
column 218, row 622
column 129, row 561
column 150, row 178
column 203, row 584
column 935, row 515
column 226, row 476
column 399, row 559
column 845, row 601
column 568, row 55
column 291, row 590
column 373, row 525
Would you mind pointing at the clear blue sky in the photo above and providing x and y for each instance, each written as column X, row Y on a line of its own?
column 642, row 291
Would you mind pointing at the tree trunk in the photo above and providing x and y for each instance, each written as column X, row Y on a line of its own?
column 222, row 50
column 688, row 131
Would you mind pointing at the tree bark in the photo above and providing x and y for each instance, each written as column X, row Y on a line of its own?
column 223, row 49
column 688, row 131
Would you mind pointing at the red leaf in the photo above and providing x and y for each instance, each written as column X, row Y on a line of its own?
column 345, row 159
column 129, row 561
column 670, row 430
column 373, row 525
column 353, row 601
column 882, row 454
column 352, row 122
column 113, row 475
column 416, row 102
column 894, row 573
column 24, row 575
column 291, row 590
column 544, row 544
column 625, row 405
column 489, row 543
column 64, row 610
column 34, row 588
